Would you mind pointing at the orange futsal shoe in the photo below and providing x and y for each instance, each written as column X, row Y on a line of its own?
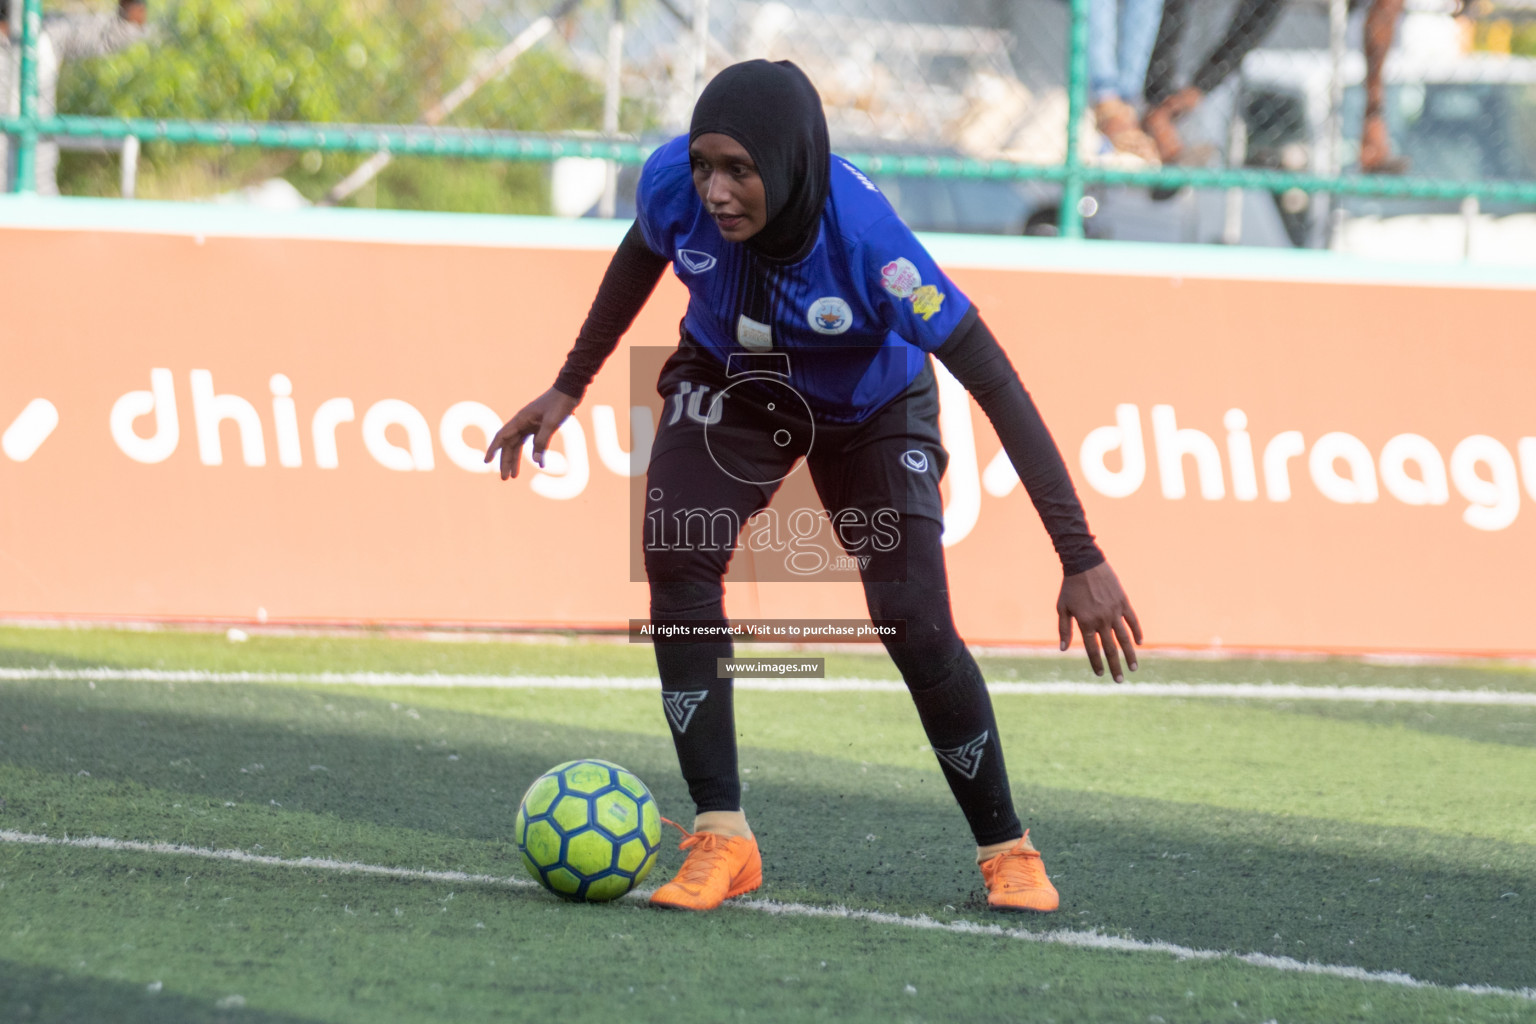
column 1016, row 880
column 717, row 868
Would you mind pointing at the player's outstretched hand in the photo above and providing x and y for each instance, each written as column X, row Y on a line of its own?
column 539, row 419
column 1096, row 600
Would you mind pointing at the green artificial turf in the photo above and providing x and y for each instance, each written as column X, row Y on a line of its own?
column 1386, row 837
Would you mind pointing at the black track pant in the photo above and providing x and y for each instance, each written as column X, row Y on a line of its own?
column 1250, row 24
column 905, row 583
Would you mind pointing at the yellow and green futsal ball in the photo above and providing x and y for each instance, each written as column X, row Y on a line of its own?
column 588, row 830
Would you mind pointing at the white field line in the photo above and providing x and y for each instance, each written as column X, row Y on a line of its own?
column 241, row 857
column 1059, row 937
column 1241, row 691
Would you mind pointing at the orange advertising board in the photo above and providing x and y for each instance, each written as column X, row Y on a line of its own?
column 237, row 424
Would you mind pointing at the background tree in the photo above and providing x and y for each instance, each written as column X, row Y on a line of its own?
column 334, row 61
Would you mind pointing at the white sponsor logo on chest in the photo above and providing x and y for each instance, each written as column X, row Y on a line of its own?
column 753, row 335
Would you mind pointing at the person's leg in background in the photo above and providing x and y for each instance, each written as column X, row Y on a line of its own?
column 1250, row 24
column 1165, row 100
column 1113, row 92
column 1161, row 79
column 1139, row 22
column 1375, row 144
column 1103, row 50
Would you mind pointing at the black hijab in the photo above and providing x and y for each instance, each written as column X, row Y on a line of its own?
column 774, row 111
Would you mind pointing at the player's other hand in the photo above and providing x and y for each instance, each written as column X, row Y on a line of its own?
column 539, row 419
column 1096, row 600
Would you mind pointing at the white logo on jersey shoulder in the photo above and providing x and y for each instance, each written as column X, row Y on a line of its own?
column 916, row 460
column 752, row 335
column 697, row 262
column 830, row 315
column 859, row 175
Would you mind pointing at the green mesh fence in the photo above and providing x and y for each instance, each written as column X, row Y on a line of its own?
column 1035, row 116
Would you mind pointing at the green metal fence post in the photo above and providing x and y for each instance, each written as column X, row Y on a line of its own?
column 1071, row 220
column 26, row 138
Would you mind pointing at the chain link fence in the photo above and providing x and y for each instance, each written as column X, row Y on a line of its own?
column 1266, row 122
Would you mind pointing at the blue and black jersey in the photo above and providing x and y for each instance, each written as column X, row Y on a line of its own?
column 855, row 319
column 855, row 315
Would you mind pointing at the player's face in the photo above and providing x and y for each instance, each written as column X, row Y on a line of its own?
column 728, row 183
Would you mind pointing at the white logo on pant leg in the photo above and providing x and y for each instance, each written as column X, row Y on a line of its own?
column 915, row 460
column 680, row 706
column 966, row 758
column 694, row 399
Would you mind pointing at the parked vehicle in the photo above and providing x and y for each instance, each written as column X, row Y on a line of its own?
column 1458, row 117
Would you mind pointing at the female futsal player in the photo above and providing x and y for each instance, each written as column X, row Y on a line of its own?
column 816, row 308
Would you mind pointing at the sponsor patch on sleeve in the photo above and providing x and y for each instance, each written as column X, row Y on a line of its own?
column 926, row 301
column 900, row 277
